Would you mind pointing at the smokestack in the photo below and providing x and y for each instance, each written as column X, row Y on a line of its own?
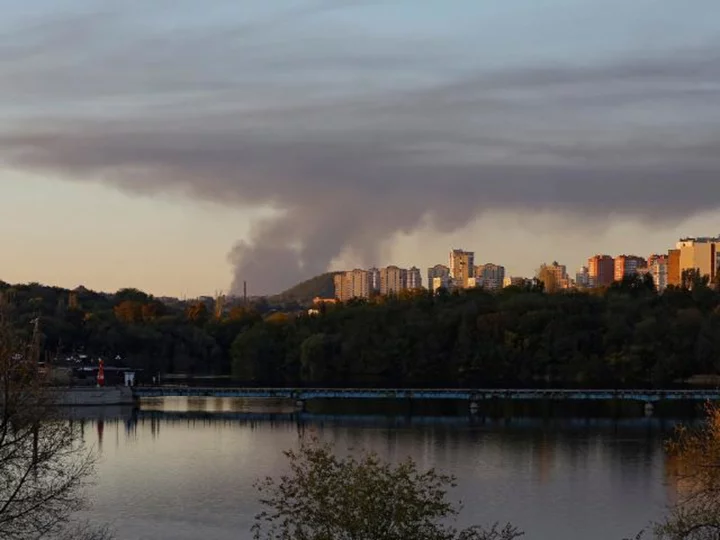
column 245, row 293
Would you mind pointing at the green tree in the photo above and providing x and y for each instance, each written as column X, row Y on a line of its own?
column 329, row 498
column 315, row 354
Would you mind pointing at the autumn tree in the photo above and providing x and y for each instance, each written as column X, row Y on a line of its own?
column 198, row 313
column 547, row 275
column 329, row 498
column 695, row 462
column 129, row 311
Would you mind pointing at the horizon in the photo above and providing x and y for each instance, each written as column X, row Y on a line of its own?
column 423, row 269
column 181, row 150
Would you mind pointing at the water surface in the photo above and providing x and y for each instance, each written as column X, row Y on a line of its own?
column 184, row 469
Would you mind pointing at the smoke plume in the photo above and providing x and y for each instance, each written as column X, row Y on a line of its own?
column 351, row 136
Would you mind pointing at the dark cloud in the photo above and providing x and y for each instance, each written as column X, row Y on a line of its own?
column 353, row 143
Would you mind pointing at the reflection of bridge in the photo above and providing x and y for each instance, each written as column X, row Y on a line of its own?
column 401, row 421
column 471, row 395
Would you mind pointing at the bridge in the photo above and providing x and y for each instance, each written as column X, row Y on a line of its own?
column 472, row 395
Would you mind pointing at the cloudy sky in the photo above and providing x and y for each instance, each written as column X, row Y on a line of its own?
column 183, row 146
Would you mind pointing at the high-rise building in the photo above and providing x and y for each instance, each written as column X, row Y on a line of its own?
column 562, row 279
column 582, row 278
column 374, row 280
column 554, row 276
column 490, row 276
column 438, row 271
column 414, row 278
column 699, row 254
column 352, row 284
column 673, row 270
column 601, row 270
column 628, row 265
column 659, row 271
column 462, row 267
column 392, row 280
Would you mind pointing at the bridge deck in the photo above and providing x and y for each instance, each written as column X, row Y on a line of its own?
column 468, row 394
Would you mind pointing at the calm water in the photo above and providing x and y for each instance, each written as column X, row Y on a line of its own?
column 183, row 469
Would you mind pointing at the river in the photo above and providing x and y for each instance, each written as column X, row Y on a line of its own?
column 183, row 469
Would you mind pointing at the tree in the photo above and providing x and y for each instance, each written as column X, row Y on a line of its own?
column 44, row 465
column 328, row 498
column 547, row 275
column 695, row 462
column 197, row 313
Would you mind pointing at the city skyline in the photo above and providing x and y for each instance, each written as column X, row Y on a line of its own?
column 183, row 150
column 423, row 271
column 698, row 255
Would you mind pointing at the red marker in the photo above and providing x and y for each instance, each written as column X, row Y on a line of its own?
column 101, row 374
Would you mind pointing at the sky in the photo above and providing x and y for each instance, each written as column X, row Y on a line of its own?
column 183, row 147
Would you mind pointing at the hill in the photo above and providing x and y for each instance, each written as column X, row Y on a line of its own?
column 303, row 293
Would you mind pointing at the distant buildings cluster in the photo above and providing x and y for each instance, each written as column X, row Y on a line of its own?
column 702, row 255
column 360, row 283
column 461, row 273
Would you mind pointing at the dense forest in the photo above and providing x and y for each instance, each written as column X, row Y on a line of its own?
column 625, row 334
column 177, row 337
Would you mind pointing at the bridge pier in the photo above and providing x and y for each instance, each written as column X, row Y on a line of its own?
column 649, row 409
column 474, row 404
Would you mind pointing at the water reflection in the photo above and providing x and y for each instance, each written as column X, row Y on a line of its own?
column 179, row 468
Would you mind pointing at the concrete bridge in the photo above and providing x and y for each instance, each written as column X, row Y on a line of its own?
column 472, row 395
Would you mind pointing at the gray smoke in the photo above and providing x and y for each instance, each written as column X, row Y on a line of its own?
column 351, row 140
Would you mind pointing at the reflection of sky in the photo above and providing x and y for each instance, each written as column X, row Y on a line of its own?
column 191, row 477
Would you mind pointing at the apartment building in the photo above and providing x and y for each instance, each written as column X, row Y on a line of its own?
column 659, row 271
column 353, row 284
column 414, row 278
column 601, row 270
column 582, row 278
column 490, row 276
column 439, row 271
column 628, row 265
column 701, row 254
column 462, row 267
column 393, row 280
column 673, row 268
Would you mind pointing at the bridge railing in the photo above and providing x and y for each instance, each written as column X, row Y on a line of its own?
column 472, row 394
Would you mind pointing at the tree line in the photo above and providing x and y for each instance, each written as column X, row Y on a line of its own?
column 129, row 328
column 626, row 334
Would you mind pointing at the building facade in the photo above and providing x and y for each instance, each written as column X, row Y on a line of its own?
column 490, row 276
column 414, row 278
column 627, row 266
column 352, row 284
column 582, row 278
column 392, row 280
column 601, row 270
column 673, row 268
column 438, row 271
column 438, row 283
column 512, row 281
column 374, row 280
column 701, row 254
column 659, row 272
column 462, row 267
